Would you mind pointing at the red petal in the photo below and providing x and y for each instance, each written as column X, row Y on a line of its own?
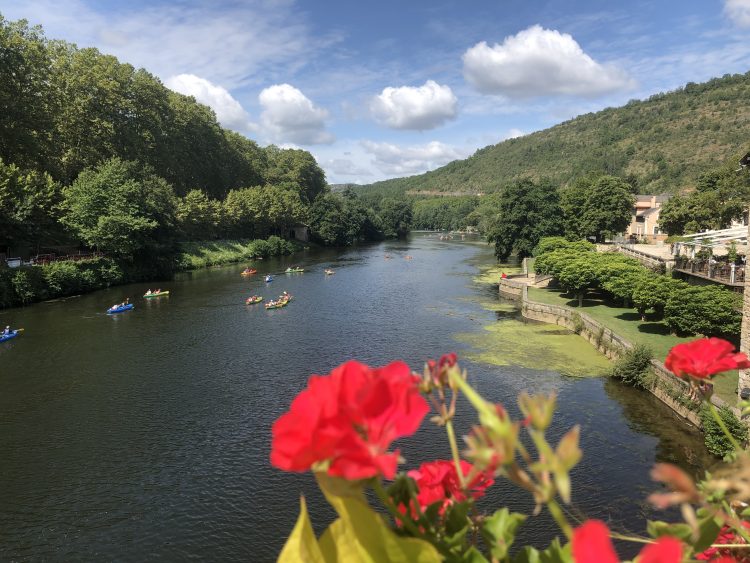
column 591, row 544
column 665, row 550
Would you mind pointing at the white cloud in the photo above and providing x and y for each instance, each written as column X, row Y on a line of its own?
column 229, row 111
column 539, row 62
column 402, row 161
column 425, row 107
column 290, row 116
column 738, row 11
column 231, row 46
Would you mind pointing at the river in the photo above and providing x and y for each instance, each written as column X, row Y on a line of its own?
column 146, row 435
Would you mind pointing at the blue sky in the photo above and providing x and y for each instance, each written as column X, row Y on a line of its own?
column 383, row 89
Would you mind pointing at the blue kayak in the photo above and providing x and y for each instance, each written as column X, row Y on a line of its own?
column 11, row 334
column 122, row 309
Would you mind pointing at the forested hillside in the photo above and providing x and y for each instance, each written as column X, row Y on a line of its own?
column 661, row 144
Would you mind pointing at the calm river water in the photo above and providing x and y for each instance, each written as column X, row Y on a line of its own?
column 146, row 436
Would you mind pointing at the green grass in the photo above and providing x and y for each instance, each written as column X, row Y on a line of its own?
column 202, row 254
column 627, row 323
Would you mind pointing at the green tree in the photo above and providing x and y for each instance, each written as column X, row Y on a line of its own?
column 607, row 208
column 28, row 205
column 577, row 276
column 120, row 207
column 653, row 292
column 395, row 217
column 528, row 212
column 297, row 170
column 198, row 216
column 708, row 310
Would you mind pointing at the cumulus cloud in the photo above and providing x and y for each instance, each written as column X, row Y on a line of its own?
column 229, row 111
column 425, row 107
column 738, row 11
column 539, row 62
column 400, row 161
column 290, row 116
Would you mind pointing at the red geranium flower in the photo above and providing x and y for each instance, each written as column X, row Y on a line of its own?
column 438, row 481
column 349, row 418
column 726, row 536
column 705, row 357
column 591, row 544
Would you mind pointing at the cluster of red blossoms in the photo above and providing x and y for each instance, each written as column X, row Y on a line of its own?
column 438, row 481
column 700, row 359
column 349, row 419
column 591, row 544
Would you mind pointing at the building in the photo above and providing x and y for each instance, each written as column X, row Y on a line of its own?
column 644, row 224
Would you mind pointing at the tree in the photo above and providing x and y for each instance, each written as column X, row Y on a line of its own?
column 297, row 170
column 708, row 310
column 597, row 208
column 120, row 207
column 528, row 211
column 653, row 292
column 577, row 276
column 198, row 216
column 28, row 204
column 396, row 217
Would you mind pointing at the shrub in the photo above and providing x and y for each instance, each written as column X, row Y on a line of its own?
column 634, row 367
column 716, row 442
column 708, row 310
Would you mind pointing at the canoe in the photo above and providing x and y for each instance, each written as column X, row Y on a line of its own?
column 253, row 301
column 294, row 270
column 274, row 305
column 114, row 310
column 11, row 334
column 249, row 272
column 150, row 295
column 329, row 272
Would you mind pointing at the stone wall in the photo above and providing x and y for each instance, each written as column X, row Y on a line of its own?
column 671, row 390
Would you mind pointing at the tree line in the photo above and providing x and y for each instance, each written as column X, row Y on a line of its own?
column 97, row 152
column 686, row 309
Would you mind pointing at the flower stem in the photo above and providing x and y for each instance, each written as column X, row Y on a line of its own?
column 559, row 517
column 720, row 422
column 454, row 453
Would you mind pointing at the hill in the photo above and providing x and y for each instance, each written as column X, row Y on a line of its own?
column 661, row 144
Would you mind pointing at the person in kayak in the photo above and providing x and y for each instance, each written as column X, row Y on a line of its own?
column 6, row 332
column 148, row 292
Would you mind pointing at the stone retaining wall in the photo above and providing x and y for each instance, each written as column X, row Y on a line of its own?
column 671, row 390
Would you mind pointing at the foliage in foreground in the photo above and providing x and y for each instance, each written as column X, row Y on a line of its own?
column 342, row 425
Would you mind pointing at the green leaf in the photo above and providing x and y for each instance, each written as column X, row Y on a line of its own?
column 361, row 535
column 708, row 529
column 499, row 531
column 473, row 555
column 555, row 553
column 457, row 517
column 301, row 544
column 657, row 529
column 527, row 555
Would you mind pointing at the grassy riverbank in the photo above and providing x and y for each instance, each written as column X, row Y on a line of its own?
column 628, row 324
column 194, row 255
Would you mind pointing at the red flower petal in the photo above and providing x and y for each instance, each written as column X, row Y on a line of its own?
column 665, row 550
column 705, row 357
column 591, row 544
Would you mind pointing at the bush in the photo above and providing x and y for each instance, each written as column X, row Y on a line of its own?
column 634, row 367
column 716, row 442
column 708, row 310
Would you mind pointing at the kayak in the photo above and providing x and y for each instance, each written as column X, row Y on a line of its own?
column 274, row 305
column 253, row 300
column 329, row 272
column 294, row 270
column 122, row 309
column 11, row 334
column 150, row 295
column 249, row 272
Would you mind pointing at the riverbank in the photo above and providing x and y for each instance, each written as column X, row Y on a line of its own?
column 671, row 390
column 32, row 284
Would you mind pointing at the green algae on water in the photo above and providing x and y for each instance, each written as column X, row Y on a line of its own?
column 534, row 346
